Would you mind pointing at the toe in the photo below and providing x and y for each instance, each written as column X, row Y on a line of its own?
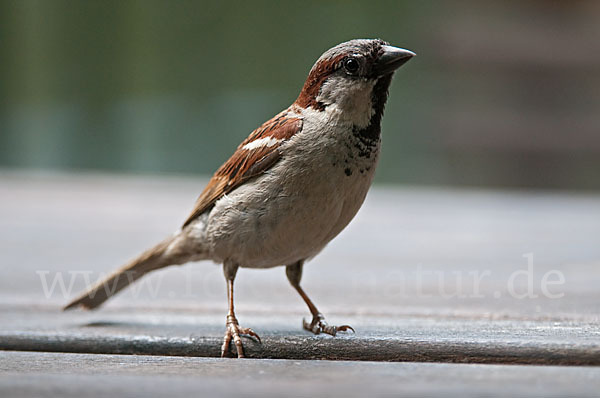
column 237, row 340
column 312, row 327
column 226, row 341
column 330, row 330
column 239, row 346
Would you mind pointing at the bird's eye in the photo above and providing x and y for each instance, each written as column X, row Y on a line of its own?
column 351, row 65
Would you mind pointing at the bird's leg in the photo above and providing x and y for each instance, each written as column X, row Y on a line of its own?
column 232, row 327
column 318, row 324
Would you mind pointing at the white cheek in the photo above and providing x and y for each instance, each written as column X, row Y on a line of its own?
column 350, row 99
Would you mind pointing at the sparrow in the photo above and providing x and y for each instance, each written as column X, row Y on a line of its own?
column 289, row 188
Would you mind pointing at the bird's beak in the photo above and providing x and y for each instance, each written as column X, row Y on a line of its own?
column 391, row 59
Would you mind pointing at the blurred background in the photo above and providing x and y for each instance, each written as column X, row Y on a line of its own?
column 502, row 94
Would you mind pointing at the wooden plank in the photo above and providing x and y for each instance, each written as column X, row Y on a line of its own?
column 78, row 375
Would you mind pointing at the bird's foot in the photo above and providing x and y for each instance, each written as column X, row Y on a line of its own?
column 318, row 326
column 233, row 331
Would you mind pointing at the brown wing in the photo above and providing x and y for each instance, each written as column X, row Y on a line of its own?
column 248, row 161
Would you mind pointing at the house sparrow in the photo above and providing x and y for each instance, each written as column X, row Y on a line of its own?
column 289, row 188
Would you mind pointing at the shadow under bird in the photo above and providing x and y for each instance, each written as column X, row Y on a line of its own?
column 289, row 188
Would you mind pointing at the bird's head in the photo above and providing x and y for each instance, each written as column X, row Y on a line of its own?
column 353, row 78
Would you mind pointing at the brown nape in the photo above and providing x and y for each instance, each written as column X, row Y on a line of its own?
column 312, row 86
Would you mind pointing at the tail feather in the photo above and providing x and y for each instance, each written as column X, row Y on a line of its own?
column 152, row 259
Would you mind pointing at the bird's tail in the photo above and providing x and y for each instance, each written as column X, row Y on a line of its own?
column 150, row 260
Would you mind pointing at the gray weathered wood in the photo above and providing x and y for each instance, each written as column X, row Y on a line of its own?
column 24, row 374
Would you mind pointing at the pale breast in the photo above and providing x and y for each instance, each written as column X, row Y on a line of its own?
column 291, row 212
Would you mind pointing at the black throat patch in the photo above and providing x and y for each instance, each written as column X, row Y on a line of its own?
column 378, row 97
column 367, row 138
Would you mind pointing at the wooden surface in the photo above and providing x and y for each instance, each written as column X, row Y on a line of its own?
column 399, row 338
column 27, row 374
column 403, row 274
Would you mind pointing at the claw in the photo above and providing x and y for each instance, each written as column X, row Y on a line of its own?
column 233, row 331
column 318, row 326
column 345, row 328
column 250, row 332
